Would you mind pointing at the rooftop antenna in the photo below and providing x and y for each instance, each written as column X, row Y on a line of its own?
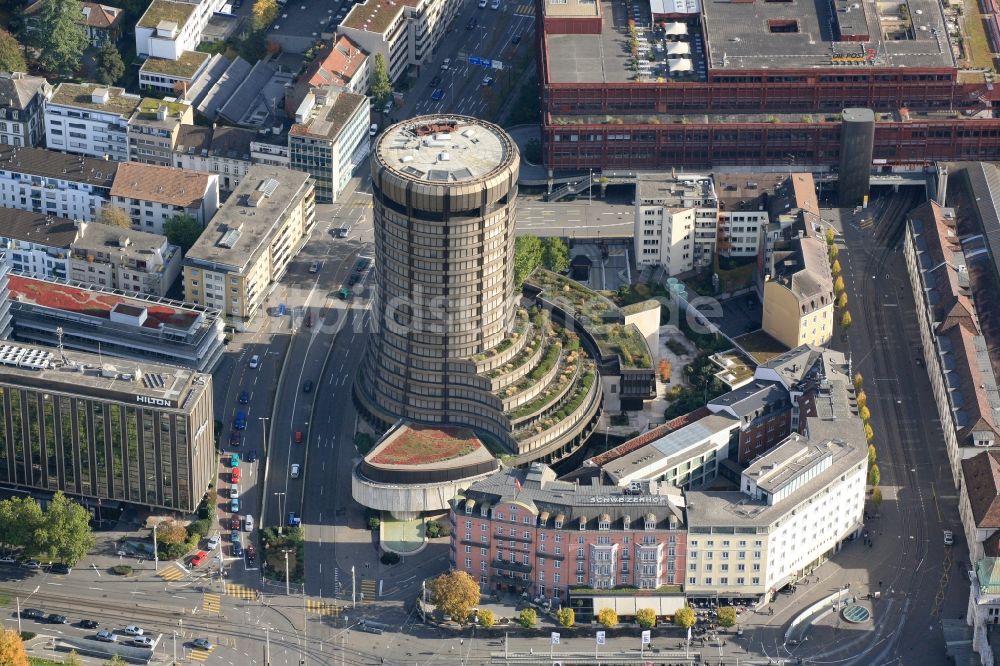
column 59, row 336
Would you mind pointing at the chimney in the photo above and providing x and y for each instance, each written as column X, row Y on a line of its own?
column 100, row 96
column 161, row 113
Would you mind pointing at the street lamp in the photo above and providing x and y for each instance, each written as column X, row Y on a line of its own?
column 175, row 646
column 156, row 550
column 18, row 600
column 590, row 187
column 287, row 580
column 281, row 512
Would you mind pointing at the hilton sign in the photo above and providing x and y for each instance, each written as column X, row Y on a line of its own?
column 156, row 402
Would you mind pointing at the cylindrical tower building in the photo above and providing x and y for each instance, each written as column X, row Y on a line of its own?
column 444, row 196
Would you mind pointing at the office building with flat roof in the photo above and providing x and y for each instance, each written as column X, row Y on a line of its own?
column 90, row 119
column 250, row 242
column 138, row 433
column 153, row 130
column 104, row 321
column 330, row 139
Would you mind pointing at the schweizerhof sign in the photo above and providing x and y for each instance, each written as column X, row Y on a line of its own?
column 628, row 499
column 156, row 402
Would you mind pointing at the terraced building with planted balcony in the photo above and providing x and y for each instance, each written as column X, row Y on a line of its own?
column 454, row 344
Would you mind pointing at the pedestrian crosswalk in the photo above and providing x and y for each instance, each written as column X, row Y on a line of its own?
column 368, row 588
column 526, row 9
column 211, row 602
column 866, row 223
column 322, row 607
column 171, row 571
column 240, row 591
column 361, row 204
column 198, row 654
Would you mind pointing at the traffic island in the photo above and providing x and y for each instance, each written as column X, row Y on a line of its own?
column 283, row 552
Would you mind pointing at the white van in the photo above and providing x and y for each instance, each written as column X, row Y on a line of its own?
column 388, row 107
column 248, row 523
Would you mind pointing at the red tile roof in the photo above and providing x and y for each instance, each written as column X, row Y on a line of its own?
column 336, row 66
column 93, row 303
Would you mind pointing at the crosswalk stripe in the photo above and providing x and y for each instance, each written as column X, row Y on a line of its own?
column 211, row 602
column 240, row 591
column 199, row 654
column 171, row 572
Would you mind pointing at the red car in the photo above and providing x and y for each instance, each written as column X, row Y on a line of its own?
column 234, row 523
column 234, row 475
column 298, row 436
column 199, row 559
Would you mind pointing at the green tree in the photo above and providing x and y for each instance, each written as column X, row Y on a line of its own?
column 566, row 616
column 684, row 617
column 646, row 618
column 555, row 254
column 877, row 497
column 527, row 257
column 874, row 475
column 264, row 13
column 109, row 64
column 727, row 616
column 607, row 617
column 846, row 320
column 12, row 649
column 486, row 618
column 872, row 454
column 57, row 36
column 381, row 83
column 64, row 535
column 182, row 230
column 114, row 216
column 455, row 593
column 11, row 53
column 528, row 618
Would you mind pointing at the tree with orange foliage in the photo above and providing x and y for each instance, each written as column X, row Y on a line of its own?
column 12, row 649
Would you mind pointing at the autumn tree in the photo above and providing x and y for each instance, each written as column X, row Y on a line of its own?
column 869, row 433
column 566, row 616
column 528, row 618
column 862, row 398
column 846, row 320
column 646, row 618
column 829, row 236
column 835, row 268
column 665, row 369
column 607, row 617
column 838, row 285
column 842, row 301
column 11, row 53
column 874, row 475
column 872, row 454
column 12, row 649
column 865, row 414
column 877, row 497
column 859, row 381
column 114, row 216
column 455, row 593
column 684, row 617
column 727, row 616
column 264, row 13
column 486, row 618
column 72, row 659
column 834, row 252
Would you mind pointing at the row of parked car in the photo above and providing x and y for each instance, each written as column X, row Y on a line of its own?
column 35, row 565
column 132, row 633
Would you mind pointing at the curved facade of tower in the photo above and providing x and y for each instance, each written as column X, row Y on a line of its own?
column 445, row 312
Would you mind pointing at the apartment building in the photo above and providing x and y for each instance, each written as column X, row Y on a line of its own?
column 53, row 183
column 522, row 531
column 89, row 119
column 49, row 247
column 344, row 66
column 798, row 293
column 141, row 434
column 170, row 28
column 105, row 321
column 152, row 194
column 675, row 221
column 153, row 130
column 405, row 33
column 173, row 76
column 22, row 108
column 228, row 152
column 330, row 139
column 744, row 213
column 249, row 242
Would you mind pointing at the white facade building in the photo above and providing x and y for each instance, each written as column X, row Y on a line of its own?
column 89, row 119
column 52, row 183
column 152, row 194
column 675, row 222
column 168, row 28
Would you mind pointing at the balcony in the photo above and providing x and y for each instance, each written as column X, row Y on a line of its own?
column 551, row 556
column 512, row 566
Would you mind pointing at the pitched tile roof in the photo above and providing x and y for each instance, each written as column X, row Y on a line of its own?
column 17, row 89
column 101, row 16
column 982, row 486
column 162, row 184
column 337, row 66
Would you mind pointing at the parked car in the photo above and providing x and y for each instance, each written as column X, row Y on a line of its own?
column 234, row 460
column 32, row 614
column 143, row 641
column 55, row 618
column 8, row 559
column 240, row 422
column 254, row 362
column 445, row 64
column 235, row 438
column 32, row 564
column 373, row 129
column 516, row 39
column 88, row 624
column 234, row 492
column 435, row 81
column 199, row 558
column 237, row 549
column 234, row 523
column 298, row 436
column 213, row 543
column 314, row 267
column 437, row 95
column 251, row 455
column 472, row 24
column 251, row 553
column 483, row 3
column 234, row 506
column 488, row 81
column 293, row 520
column 133, row 630
column 61, row 569
column 295, row 471
column 106, row 636
column 248, row 522
column 234, row 475
column 344, row 294
column 495, row 4
column 201, row 644
column 949, row 538
column 244, row 397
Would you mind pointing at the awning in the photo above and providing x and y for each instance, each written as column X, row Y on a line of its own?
column 676, row 29
column 679, row 65
column 678, row 49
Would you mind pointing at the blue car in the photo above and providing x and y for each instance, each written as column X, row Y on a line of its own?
column 234, row 536
column 234, row 506
column 244, row 397
column 293, row 520
column 237, row 549
column 240, row 423
column 251, row 456
column 438, row 94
